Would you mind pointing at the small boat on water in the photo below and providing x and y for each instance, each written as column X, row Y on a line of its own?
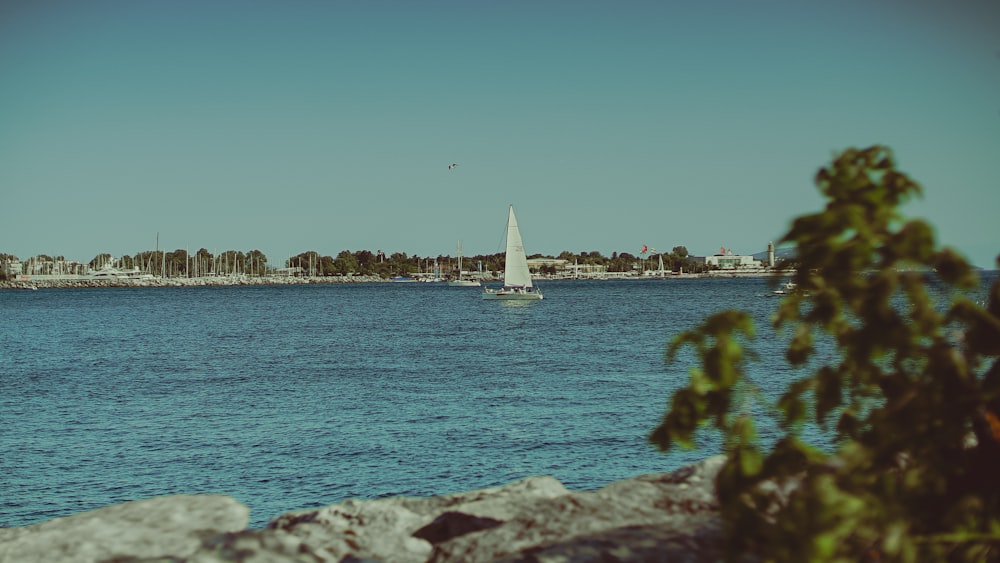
column 788, row 287
column 516, row 276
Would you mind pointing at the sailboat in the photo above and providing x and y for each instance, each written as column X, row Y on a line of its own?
column 458, row 281
column 516, row 277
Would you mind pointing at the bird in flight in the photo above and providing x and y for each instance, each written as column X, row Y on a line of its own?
column 452, row 166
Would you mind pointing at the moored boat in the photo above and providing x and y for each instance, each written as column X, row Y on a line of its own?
column 459, row 281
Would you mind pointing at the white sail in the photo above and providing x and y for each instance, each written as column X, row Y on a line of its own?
column 515, row 273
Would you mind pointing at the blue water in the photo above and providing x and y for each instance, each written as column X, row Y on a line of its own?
column 289, row 397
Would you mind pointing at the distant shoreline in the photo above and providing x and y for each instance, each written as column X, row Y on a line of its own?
column 44, row 282
column 63, row 282
column 67, row 282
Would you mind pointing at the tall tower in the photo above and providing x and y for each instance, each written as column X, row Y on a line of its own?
column 770, row 254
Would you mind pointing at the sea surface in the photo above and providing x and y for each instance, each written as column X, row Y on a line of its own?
column 291, row 397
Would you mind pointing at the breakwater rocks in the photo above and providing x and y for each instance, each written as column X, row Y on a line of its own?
column 657, row 517
column 40, row 282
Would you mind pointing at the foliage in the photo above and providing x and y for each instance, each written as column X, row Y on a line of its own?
column 623, row 262
column 627, row 262
column 913, row 391
column 547, row 269
column 366, row 262
column 256, row 263
column 345, row 263
column 309, row 263
column 202, row 263
column 399, row 264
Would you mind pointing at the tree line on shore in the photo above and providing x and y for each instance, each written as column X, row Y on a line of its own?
column 181, row 263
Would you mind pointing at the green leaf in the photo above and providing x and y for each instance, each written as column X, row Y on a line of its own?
column 953, row 269
column 829, row 394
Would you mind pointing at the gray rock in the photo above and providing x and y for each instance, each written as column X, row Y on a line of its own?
column 537, row 519
column 668, row 516
column 258, row 546
column 608, row 522
column 383, row 529
column 700, row 542
column 162, row 527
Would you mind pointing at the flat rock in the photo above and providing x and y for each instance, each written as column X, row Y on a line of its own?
column 171, row 526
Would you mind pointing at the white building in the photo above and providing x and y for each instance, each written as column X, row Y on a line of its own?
column 730, row 261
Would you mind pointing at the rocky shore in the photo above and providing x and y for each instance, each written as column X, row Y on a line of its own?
column 658, row 517
column 40, row 282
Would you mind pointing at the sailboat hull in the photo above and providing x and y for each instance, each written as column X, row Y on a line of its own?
column 511, row 294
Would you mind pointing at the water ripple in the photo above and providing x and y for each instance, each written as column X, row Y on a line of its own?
column 300, row 396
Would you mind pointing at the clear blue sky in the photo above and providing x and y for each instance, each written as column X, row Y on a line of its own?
column 329, row 125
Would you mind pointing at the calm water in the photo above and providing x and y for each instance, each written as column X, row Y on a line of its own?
column 291, row 397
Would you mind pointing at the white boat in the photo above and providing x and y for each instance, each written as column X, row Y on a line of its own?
column 108, row 270
column 788, row 287
column 459, row 281
column 516, row 276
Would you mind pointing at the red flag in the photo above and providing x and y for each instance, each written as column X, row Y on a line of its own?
column 644, row 247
